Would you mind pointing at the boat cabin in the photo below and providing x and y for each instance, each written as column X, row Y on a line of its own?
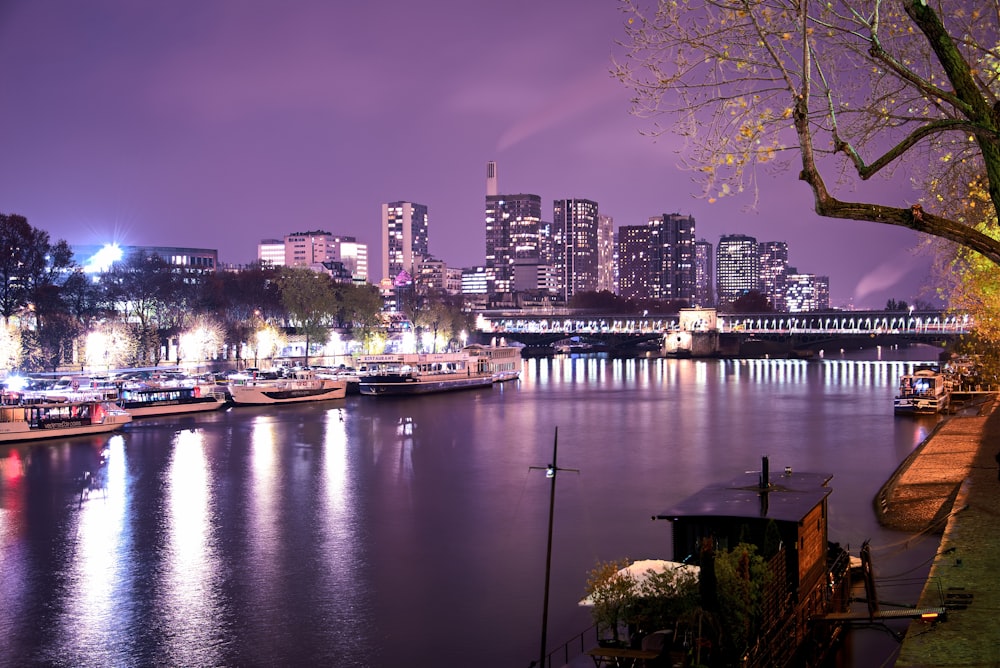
column 785, row 517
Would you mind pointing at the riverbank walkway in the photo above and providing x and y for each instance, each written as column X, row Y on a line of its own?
column 953, row 481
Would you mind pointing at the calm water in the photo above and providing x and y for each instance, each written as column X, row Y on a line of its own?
column 402, row 532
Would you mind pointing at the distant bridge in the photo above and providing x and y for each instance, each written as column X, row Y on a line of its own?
column 795, row 330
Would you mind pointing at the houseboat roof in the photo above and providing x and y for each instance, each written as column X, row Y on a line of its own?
column 788, row 497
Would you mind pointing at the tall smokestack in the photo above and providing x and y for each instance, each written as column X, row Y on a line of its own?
column 491, row 179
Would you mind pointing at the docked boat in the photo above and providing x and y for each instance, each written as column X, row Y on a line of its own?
column 34, row 419
column 423, row 373
column 153, row 400
column 504, row 362
column 801, row 577
column 924, row 392
column 303, row 386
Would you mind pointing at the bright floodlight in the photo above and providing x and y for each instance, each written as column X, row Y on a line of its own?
column 104, row 258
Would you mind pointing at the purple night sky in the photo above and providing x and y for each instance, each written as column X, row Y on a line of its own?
column 217, row 124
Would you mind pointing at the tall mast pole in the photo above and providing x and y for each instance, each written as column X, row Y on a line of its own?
column 550, row 472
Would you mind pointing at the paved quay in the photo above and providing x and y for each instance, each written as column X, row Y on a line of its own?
column 952, row 483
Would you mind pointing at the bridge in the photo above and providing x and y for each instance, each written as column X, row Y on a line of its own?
column 792, row 331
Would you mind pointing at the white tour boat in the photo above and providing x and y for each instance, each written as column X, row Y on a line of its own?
column 155, row 400
column 423, row 373
column 504, row 361
column 33, row 419
column 924, row 392
column 303, row 386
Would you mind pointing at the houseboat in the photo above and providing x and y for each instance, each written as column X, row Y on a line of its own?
column 926, row 391
column 302, row 386
column 504, row 361
column 423, row 373
column 32, row 419
column 154, row 400
column 784, row 520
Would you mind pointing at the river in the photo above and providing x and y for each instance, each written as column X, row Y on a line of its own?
column 412, row 531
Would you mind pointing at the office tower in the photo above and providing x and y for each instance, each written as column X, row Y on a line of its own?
column 737, row 267
column 704, row 276
column 605, row 253
column 673, row 257
column 574, row 246
column 657, row 260
column 806, row 292
column 634, row 243
column 512, row 233
column 773, row 270
column 404, row 237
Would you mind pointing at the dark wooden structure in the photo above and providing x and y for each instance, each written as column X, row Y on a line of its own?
column 785, row 516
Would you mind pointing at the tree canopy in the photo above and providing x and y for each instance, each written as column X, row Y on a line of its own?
column 855, row 88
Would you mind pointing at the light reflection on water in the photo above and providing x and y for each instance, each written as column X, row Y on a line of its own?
column 367, row 532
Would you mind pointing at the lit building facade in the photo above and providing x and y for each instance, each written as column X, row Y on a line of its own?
column 704, row 274
column 737, row 267
column 575, row 246
column 806, row 292
column 98, row 258
column 513, row 232
column 674, row 239
column 634, row 257
column 773, row 271
column 657, row 260
column 404, row 237
column 272, row 252
column 318, row 248
column 605, row 254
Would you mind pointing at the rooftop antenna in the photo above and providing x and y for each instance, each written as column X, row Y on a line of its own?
column 550, row 473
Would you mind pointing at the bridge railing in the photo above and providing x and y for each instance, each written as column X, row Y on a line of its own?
column 847, row 322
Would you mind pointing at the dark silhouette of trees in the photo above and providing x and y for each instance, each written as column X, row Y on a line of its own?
column 752, row 302
column 144, row 291
column 29, row 263
column 309, row 298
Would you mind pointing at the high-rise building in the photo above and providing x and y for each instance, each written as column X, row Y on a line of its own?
column 512, row 233
column 605, row 254
column 704, row 276
column 673, row 259
column 657, row 260
column 404, row 238
column 773, row 270
column 574, row 246
column 806, row 292
column 634, row 251
column 737, row 267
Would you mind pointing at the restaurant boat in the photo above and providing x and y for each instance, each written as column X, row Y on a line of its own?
column 504, row 361
column 303, row 386
column 924, row 392
column 34, row 419
column 153, row 400
column 423, row 373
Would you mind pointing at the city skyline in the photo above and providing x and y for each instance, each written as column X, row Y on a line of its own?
column 223, row 124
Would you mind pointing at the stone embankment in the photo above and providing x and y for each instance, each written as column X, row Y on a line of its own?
column 951, row 484
column 921, row 493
